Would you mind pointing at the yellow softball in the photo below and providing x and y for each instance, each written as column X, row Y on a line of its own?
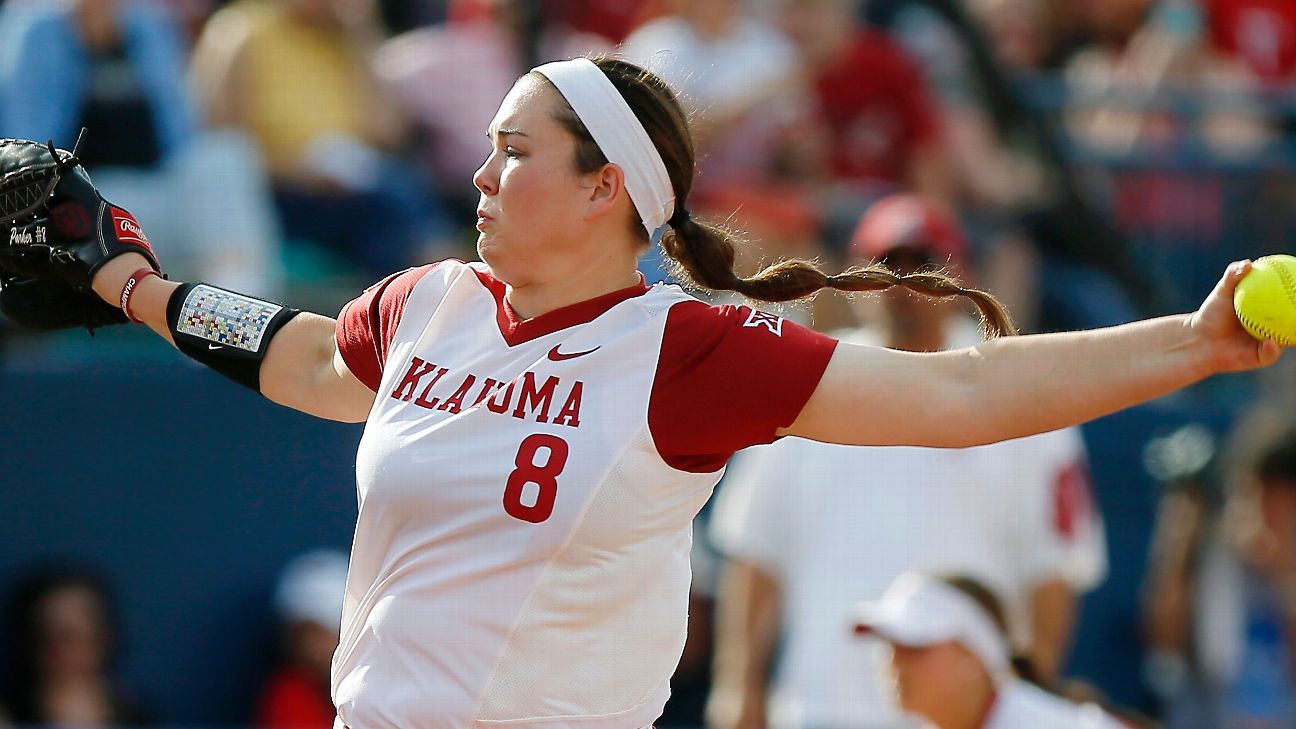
column 1265, row 299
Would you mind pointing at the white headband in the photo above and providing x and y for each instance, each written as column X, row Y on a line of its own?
column 618, row 134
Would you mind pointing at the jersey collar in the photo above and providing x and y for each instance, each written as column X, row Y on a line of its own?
column 517, row 330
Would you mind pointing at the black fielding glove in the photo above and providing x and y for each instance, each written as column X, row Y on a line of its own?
column 59, row 232
column 37, row 304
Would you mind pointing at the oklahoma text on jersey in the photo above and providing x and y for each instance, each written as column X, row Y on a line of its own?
column 520, row 399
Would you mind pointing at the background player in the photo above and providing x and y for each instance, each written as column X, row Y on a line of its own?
column 540, row 497
column 951, row 664
column 811, row 528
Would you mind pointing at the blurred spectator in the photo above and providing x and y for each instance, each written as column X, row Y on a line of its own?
column 296, row 75
column 741, row 81
column 1151, row 95
column 995, row 170
column 62, row 643
column 810, row 527
column 308, row 601
column 951, row 663
column 612, row 19
column 993, row 153
column 871, row 132
column 450, row 79
column 729, row 68
column 116, row 67
column 1022, row 33
column 1220, row 613
column 1149, row 53
column 1052, row 259
column 1259, row 33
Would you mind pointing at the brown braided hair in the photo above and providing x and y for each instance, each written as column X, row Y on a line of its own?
column 703, row 254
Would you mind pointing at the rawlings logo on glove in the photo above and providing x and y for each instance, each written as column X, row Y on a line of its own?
column 129, row 231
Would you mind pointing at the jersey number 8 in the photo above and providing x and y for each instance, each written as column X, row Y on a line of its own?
column 544, row 475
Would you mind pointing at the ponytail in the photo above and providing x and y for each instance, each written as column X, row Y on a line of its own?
column 705, row 255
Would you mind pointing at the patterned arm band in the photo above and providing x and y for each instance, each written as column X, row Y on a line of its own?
column 226, row 331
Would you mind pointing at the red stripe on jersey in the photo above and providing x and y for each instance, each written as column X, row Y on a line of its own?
column 366, row 324
column 1071, row 499
column 517, row 330
column 729, row 378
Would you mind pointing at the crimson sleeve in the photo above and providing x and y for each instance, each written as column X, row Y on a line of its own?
column 727, row 378
column 366, row 323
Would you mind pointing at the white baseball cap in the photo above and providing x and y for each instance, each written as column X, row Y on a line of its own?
column 311, row 588
column 918, row 610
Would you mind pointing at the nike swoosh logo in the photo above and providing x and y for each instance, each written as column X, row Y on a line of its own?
column 215, row 346
column 557, row 356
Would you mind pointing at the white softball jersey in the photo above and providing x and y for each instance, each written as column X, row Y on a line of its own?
column 1019, row 705
column 526, row 490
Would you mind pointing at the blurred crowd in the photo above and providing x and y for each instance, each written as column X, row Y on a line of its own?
column 274, row 142
column 62, row 650
column 1088, row 163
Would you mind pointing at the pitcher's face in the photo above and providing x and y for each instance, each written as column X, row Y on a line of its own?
column 531, row 194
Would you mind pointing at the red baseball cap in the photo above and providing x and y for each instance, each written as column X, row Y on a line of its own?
column 906, row 220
